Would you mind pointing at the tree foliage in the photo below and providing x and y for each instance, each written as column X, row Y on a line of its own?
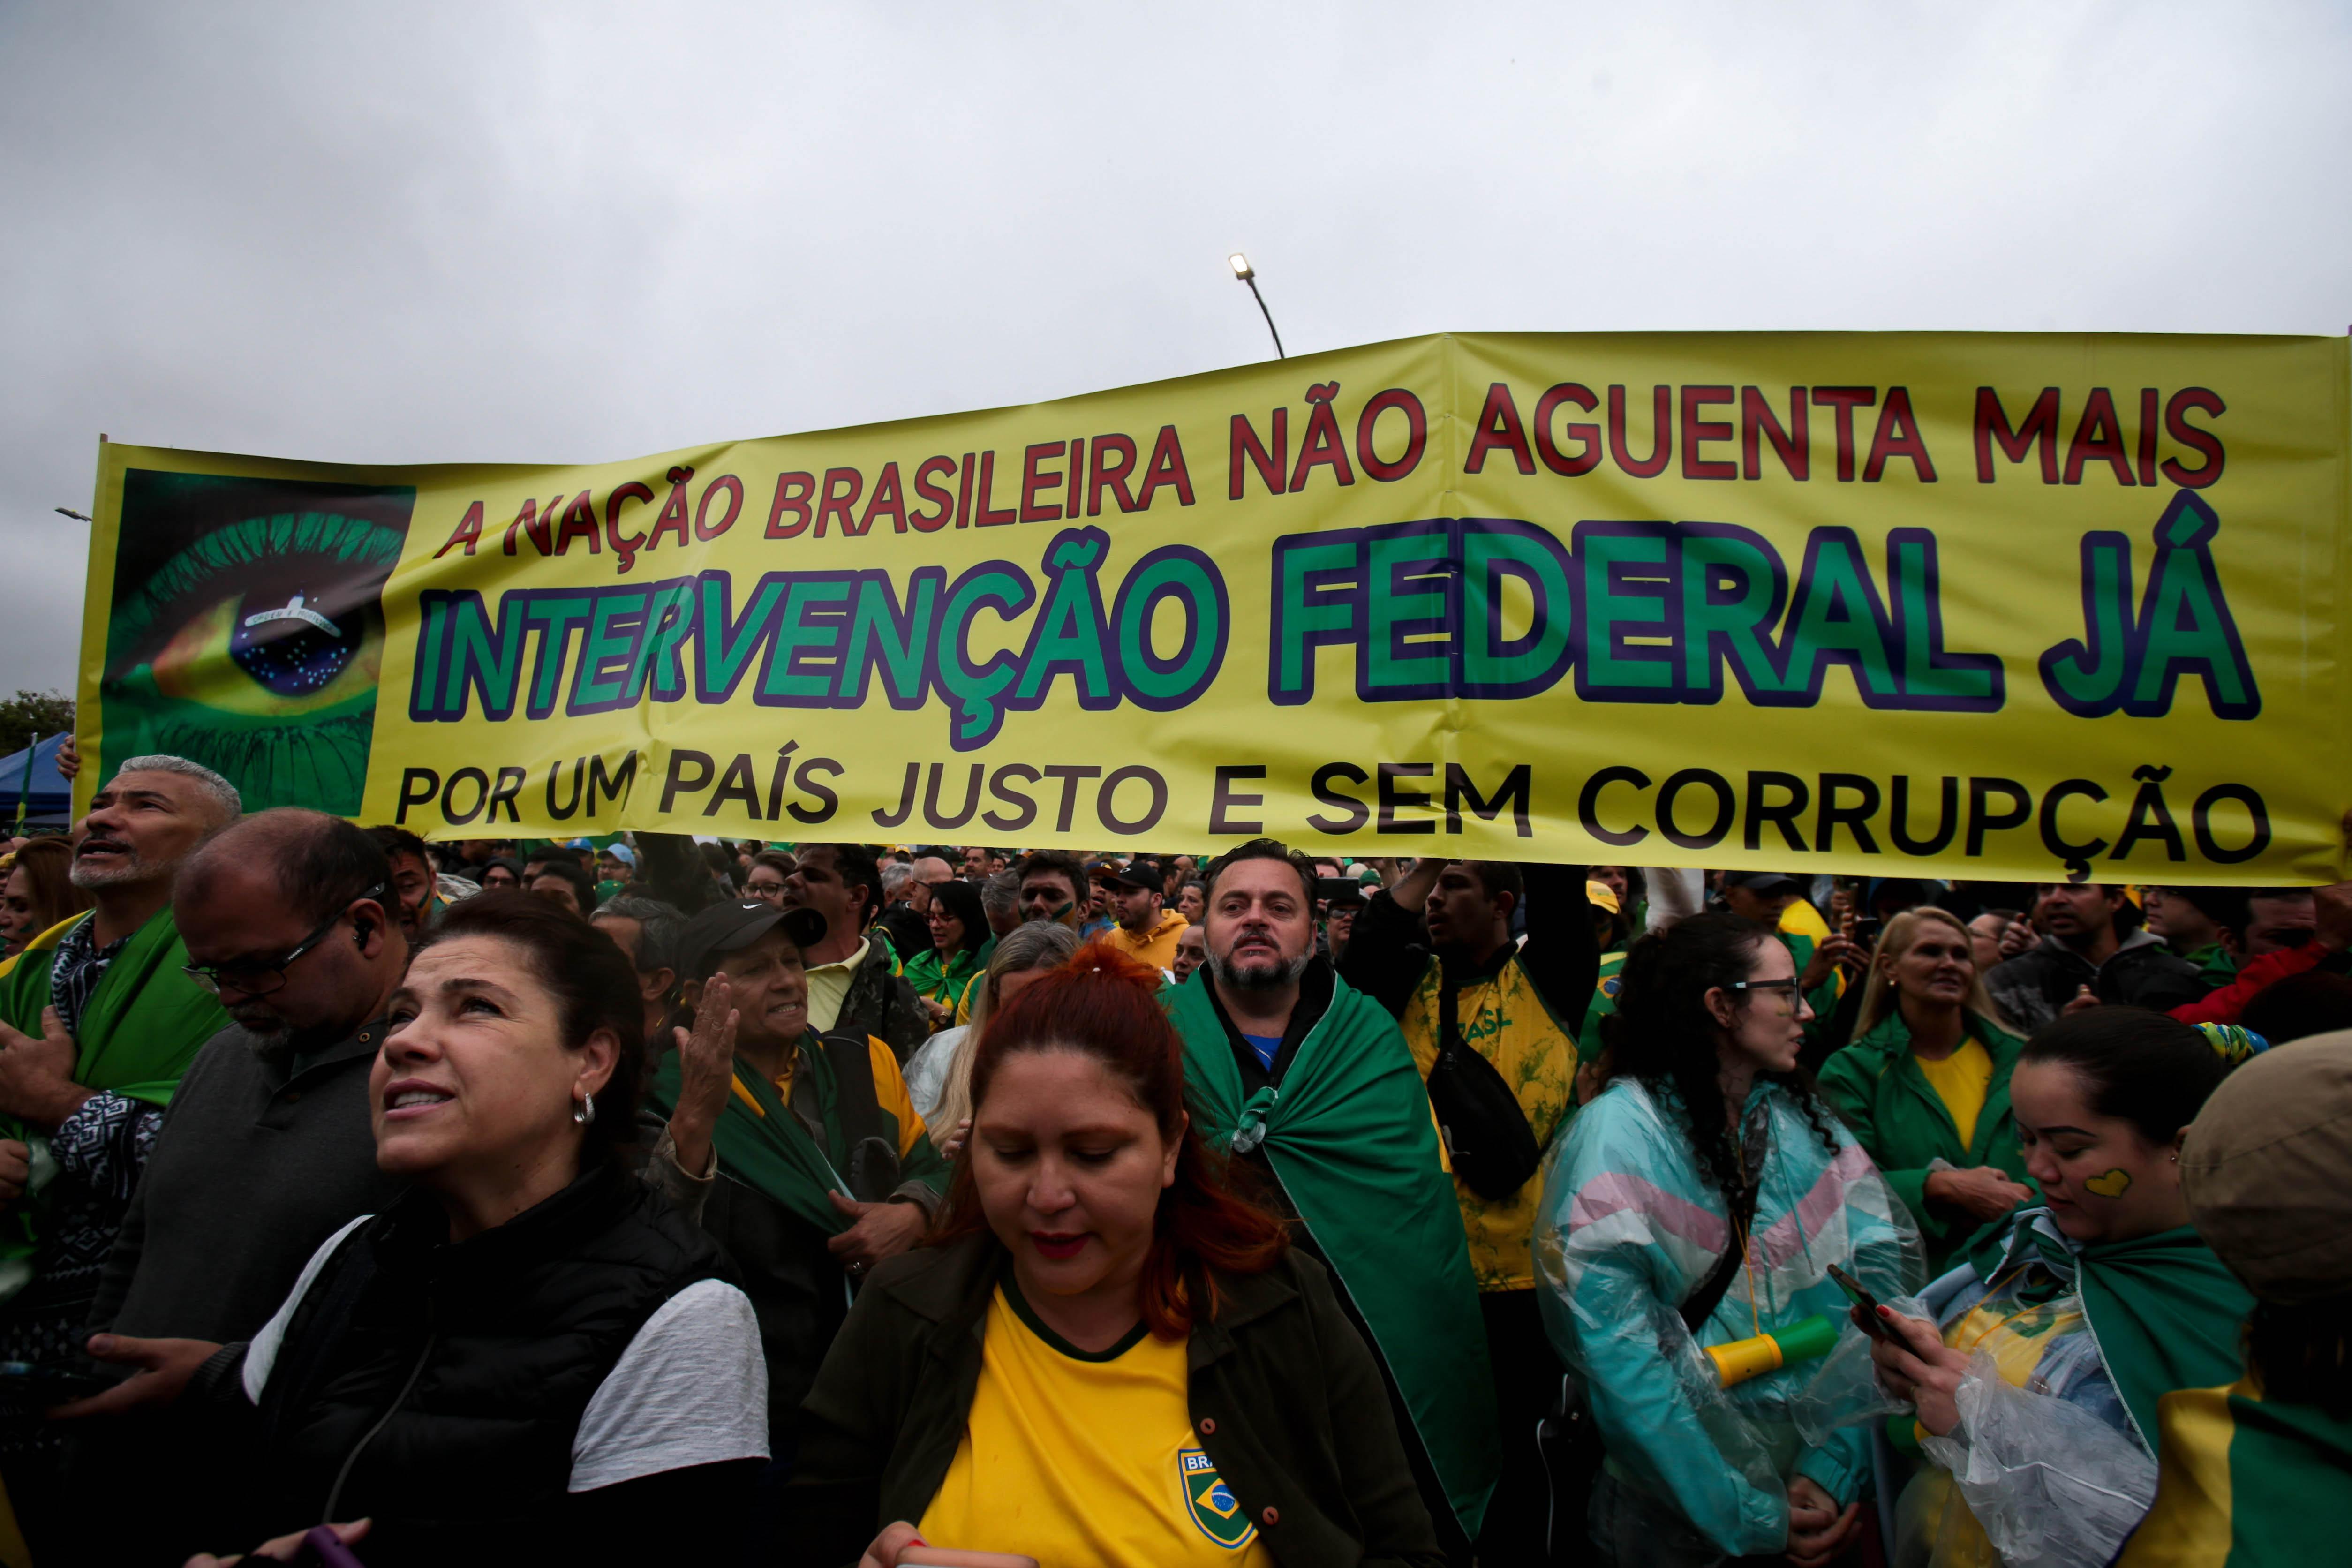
column 30, row 713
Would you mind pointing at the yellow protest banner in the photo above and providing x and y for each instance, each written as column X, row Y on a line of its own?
column 1995, row 606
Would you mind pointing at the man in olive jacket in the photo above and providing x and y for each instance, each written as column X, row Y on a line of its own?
column 883, row 1424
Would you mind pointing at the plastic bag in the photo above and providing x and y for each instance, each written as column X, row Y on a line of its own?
column 1844, row 1390
column 2046, row 1482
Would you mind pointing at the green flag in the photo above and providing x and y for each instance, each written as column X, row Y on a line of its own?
column 1349, row 1134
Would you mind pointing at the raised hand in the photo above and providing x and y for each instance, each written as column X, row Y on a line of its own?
column 706, row 1071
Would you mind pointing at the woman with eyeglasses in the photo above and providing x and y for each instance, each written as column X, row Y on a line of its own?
column 1699, row 1200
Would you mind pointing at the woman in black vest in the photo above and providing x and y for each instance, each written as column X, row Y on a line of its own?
column 528, row 1357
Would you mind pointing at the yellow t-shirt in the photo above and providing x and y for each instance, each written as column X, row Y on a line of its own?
column 1962, row 1081
column 1085, row 1461
column 1156, row 947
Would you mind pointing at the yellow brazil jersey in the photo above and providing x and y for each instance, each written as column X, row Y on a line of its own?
column 1505, row 1020
column 2017, row 1338
column 1085, row 1461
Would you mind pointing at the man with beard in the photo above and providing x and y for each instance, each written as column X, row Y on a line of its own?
column 1436, row 950
column 416, row 894
column 1308, row 1081
column 268, row 1146
column 1054, row 887
column 1145, row 932
column 97, row 1023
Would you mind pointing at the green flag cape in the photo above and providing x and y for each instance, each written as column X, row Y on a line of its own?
column 1349, row 1134
column 2246, row 1483
column 764, row 1143
column 143, row 1023
column 2165, row 1311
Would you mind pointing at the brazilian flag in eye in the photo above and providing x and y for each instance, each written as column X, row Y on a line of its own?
column 247, row 630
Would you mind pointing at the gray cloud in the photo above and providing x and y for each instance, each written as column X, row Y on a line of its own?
column 444, row 232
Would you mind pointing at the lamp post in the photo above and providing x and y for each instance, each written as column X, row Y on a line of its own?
column 1243, row 272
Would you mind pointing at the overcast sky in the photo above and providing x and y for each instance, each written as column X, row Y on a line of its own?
column 570, row 232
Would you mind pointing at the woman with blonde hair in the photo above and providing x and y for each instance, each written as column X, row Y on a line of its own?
column 939, row 1076
column 1924, row 1085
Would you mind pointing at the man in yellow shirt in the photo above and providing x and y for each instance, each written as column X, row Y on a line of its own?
column 1146, row 932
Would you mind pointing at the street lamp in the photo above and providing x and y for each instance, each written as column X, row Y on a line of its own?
column 1244, row 273
column 68, row 511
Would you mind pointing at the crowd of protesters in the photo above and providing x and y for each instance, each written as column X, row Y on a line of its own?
column 667, row 1200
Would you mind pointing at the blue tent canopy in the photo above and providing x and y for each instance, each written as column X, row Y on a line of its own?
column 52, row 796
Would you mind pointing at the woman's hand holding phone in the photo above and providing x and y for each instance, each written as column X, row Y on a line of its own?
column 1914, row 1364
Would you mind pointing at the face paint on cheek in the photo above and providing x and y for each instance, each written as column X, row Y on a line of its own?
column 2114, row 1184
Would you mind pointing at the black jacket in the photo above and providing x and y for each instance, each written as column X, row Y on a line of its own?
column 450, row 1379
column 2036, row 987
column 1285, row 1398
column 883, row 1004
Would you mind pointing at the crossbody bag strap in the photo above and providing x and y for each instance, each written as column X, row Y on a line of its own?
column 1711, row 1290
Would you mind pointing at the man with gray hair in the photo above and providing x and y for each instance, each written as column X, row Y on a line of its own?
column 647, row 930
column 97, row 1026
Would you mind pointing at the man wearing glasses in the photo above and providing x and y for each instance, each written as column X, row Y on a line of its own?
column 267, row 1147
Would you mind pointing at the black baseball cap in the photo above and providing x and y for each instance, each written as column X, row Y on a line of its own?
column 734, row 924
column 1763, row 881
column 1142, row 871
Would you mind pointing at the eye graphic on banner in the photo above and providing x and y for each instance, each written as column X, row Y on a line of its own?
column 247, row 630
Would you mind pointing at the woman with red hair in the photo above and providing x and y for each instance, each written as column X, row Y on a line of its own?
column 1106, row 1357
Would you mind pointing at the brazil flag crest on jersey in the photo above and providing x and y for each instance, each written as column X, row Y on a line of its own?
column 1210, row 1502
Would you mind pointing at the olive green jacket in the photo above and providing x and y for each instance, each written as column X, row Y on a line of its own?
column 1286, row 1399
column 1875, row 1086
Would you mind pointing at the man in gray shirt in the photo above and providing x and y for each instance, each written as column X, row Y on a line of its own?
column 267, row 1147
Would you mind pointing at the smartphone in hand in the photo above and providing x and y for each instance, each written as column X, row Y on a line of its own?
column 1865, row 1306
column 947, row 1557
